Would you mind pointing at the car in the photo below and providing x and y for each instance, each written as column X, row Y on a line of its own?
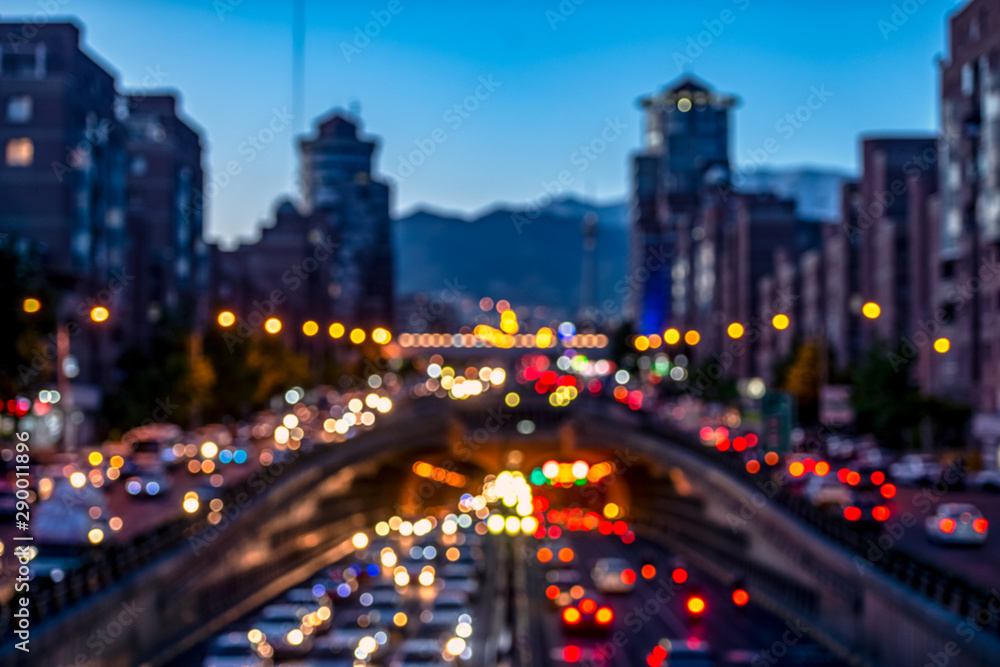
column 986, row 480
column 691, row 652
column 613, row 575
column 418, row 651
column 344, row 643
column 148, row 482
column 284, row 629
column 957, row 523
column 587, row 616
column 916, row 469
column 66, row 517
column 826, row 491
column 233, row 649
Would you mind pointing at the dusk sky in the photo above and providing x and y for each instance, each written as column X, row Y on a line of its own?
column 557, row 83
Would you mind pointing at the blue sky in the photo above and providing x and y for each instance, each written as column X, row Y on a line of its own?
column 558, row 79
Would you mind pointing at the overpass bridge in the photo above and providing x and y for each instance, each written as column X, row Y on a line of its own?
column 284, row 523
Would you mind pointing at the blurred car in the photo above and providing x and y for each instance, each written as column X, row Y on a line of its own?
column 66, row 518
column 425, row 652
column 233, row 649
column 587, row 616
column 826, row 491
column 345, row 644
column 468, row 586
column 986, row 480
column 284, row 629
column 613, row 575
column 957, row 523
column 691, row 652
column 148, row 482
column 916, row 469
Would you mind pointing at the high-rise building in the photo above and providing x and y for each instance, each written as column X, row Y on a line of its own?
column 968, row 246
column 61, row 170
column 686, row 148
column 167, row 253
column 337, row 179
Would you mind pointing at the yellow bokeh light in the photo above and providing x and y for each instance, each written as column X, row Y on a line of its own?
column 871, row 310
column 671, row 336
column 512, row 400
column 942, row 345
column 272, row 325
column 32, row 305
column 641, row 343
column 310, row 328
column 357, row 336
column 692, row 337
column 381, row 336
column 99, row 314
column 611, row 511
column 95, row 458
column 780, row 321
column 336, row 330
column 227, row 319
column 735, row 330
column 360, row 541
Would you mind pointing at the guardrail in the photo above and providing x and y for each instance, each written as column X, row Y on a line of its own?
column 114, row 562
column 949, row 590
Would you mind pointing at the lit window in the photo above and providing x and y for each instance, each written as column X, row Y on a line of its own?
column 20, row 152
column 19, row 109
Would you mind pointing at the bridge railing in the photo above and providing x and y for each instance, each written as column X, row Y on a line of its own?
column 947, row 589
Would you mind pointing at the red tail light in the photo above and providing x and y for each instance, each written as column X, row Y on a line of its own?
column 947, row 525
column 587, row 606
column 980, row 525
column 552, row 592
column 572, row 654
column 628, row 577
column 881, row 513
column 648, row 571
column 888, row 490
column 571, row 615
column 740, row 597
column 680, row 575
column 604, row 615
column 852, row 513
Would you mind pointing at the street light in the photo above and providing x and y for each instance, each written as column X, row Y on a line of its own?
column 310, row 328
column 871, row 310
column 692, row 337
column 942, row 345
column 357, row 336
column 32, row 305
column 227, row 319
column 735, row 330
column 99, row 313
column 381, row 336
column 336, row 330
column 272, row 325
column 780, row 321
column 671, row 336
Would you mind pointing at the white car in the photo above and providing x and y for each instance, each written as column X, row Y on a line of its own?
column 916, row 469
column 613, row 575
column 957, row 523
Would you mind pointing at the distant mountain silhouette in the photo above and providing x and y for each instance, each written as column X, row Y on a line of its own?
column 505, row 254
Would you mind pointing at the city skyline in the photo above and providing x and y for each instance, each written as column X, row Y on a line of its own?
column 544, row 58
